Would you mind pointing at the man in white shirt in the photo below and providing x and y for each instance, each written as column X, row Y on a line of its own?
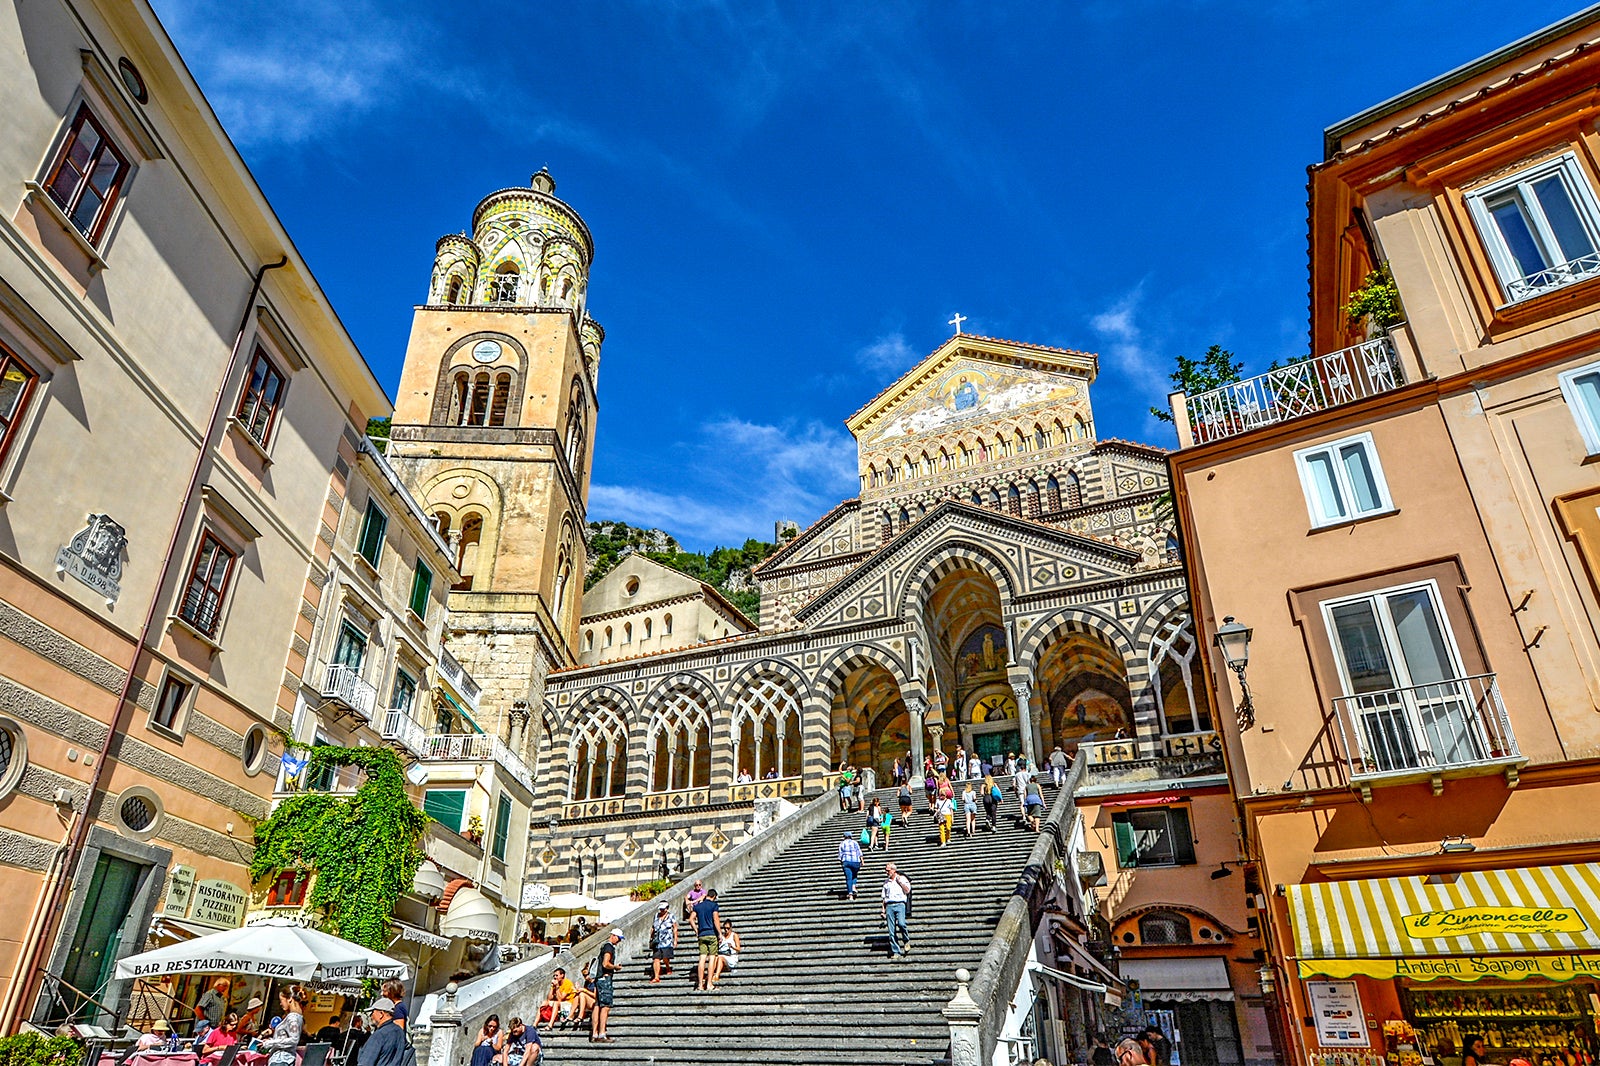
column 896, row 890
column 1058, row 766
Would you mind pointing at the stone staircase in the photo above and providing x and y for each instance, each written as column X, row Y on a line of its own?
column 815, row 983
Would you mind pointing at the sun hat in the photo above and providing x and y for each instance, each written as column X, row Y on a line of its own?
column 383, row 1003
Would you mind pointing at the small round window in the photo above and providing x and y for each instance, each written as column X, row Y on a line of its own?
column 632, row 587
column 254, row 755
column 139, row 811
column 13, row 755
column 132, row 79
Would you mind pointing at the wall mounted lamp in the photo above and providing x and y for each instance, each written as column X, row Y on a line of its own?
column 1224, row 870
column 1234, row 640
column 1457, row 845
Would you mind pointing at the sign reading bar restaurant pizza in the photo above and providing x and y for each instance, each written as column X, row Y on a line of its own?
column 1336, row 1006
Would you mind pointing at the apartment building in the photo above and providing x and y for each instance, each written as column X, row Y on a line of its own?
column 1392, row 554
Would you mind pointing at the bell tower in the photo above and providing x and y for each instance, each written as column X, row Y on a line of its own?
column 494, row 430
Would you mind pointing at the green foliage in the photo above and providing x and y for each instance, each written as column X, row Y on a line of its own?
column 650, row 889
column 378, row 427
column 36, row 1049
column 1377, row 298
column 365, row 848
column 609, row 541
column 1216, row 368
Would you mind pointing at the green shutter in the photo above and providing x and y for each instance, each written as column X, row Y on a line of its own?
column 421, row 585
column 372, row 530
column 1122, row 827
column 447, row 806
column 502, row 827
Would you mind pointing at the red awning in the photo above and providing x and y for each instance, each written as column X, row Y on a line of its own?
column 1162, row 800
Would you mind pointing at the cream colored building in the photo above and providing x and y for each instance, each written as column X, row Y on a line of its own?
column 642, row 607
column 180, row 418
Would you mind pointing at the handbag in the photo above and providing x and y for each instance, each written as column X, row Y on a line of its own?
column 866, row 836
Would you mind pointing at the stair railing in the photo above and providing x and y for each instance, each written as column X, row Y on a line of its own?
column 978, row 1009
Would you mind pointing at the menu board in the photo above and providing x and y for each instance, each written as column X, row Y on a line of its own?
column 1336, row 1006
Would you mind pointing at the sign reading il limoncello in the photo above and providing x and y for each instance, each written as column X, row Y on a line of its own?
column 1472, row 921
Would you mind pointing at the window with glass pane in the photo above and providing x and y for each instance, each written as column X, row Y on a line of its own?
column 321, row 777
column 88, row 176
column 1541, row 227
column 169, row 705
column 421, row 586
column 447, row 806
column 502, row 827
column 208, row 583
column 1581, row 388
column 1343, row 480
column 405, row 691
column 1406, row 695
column 17, row 382
column 1158, row 836
column 351, row 647
column 263, row 392
column 372, row 529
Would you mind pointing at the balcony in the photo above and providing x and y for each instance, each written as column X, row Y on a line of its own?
column 477, row 747
column 343, row 685
column 455, row 675
column 1554, row 277
column 1321, row 382
column 1421, row 733
column 403, row 730
column 1170, row 757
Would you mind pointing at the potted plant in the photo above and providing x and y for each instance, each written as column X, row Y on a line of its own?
column 1376, row 303
column 474, row 830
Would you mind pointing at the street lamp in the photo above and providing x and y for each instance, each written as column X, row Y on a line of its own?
column 1234, row 640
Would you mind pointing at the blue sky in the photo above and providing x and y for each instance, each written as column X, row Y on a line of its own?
column 789, row 201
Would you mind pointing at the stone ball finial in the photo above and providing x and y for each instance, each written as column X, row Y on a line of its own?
column 543, row 182
column 963, row 976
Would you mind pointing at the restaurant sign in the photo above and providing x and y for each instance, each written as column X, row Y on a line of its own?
column 219, row 904
column 1470, row 921
column 1459, row 967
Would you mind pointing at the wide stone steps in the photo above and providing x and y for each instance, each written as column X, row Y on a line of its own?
column 815, row 985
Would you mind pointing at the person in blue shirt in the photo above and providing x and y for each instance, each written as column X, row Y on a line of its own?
column 707, row 926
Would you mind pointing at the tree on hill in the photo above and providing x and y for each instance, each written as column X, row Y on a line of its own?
column 725, row 569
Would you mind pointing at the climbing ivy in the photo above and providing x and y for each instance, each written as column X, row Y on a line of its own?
column 365, row 848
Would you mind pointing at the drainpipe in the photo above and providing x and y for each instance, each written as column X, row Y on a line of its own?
column 23, row 987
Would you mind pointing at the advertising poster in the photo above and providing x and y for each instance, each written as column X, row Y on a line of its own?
column 1336, row 1006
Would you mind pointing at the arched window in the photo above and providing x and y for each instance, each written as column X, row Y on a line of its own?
column 680, row 744
column 1164, row 927
column 504, row 284
column 666, row 625
column 588, row 640
column 501, row 397
column 467, row 551
column 452, row 291
column 598, row 755
column 441, row 522
column 1079, row 428
column 1072, row 490
column 1052, row 493
column 646, row 635
column 1041, row 439
column 905, row 518
column 1179, row 698
column 627, row 632
column 1014, row 501
column 766, row 729
column 609, row 640
column 576, row 430
column 561, row 588
column 1059, row 433
column 977, row 498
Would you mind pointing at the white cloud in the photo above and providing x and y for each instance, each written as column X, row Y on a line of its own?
column 738, row 478
column 1129, row 352
column 890, row 352
column 285, row 72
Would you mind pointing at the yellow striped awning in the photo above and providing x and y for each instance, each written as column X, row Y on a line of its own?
column 1483, row 912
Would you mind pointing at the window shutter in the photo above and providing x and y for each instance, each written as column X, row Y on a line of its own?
column 502, row 827
column 1182, row 838
column 447, row 806
column 1122, row 827
column 421, row 586
column 372, row 530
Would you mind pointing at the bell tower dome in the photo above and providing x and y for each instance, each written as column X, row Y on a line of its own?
column 494, row 428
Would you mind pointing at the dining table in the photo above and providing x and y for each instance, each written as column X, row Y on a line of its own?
column 155, row 1058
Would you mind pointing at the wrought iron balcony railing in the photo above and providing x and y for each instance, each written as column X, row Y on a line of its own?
column 477, row 747
column 1316, row 384
column 1426, row 729
column 456, row 676
column 344, row 684
column 1553, row 277
column 400, row 727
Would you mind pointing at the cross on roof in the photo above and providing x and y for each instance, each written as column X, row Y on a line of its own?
column 956, row 321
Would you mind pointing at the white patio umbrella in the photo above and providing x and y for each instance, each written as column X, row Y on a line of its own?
column 275, row 948
column 567, row 905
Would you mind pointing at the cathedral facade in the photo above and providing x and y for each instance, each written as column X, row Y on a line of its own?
column 1005, row 580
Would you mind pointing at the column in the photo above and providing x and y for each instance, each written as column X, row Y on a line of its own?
column 1022, row 687
column 518, row 720
column 916, row 707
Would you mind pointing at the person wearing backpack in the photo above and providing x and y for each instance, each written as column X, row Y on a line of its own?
column 991, row 800
column 850, row 860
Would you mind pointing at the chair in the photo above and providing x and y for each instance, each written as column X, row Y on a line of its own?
column 316, row 1054
column 229, row 1053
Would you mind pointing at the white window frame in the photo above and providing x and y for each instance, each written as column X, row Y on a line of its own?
column 1579, row 187
column 1313, row 500
column 1588, row 421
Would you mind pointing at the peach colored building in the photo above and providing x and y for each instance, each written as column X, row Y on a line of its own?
column 180, row 414
column 1406, row 523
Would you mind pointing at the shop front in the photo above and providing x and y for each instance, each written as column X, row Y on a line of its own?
column 1410, row 970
